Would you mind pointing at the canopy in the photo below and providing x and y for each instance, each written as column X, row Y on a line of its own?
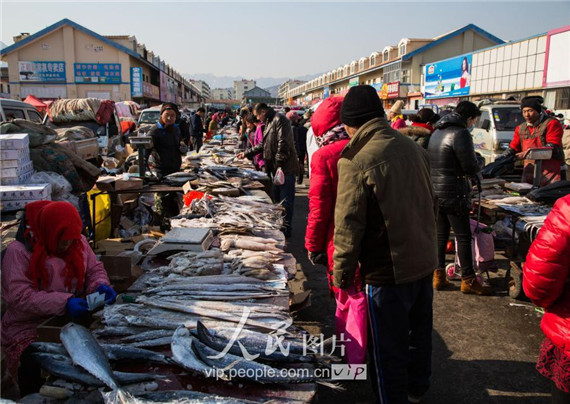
column 39, row 104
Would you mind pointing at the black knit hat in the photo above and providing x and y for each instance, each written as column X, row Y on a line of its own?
column 533, row 102
column 360, row 105
column 170, row 106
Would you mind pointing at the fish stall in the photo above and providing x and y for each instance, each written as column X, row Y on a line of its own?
column 206, row 317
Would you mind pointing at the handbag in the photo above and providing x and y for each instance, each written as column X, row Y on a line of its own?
column 351, row 318
column 279, row 178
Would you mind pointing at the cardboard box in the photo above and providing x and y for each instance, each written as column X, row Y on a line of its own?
column 86, row 148
column 17, row 171
column 8, row 206
column 14, row 154
column 14, row 163
column 14, row 141
column 131, row 183
column 31, row 192
column 117, row 267
column 16, row 180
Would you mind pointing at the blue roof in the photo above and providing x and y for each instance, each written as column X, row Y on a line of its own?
column 60, row 24
column 459, row 31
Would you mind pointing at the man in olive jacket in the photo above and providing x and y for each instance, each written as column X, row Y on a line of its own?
column 385, row 221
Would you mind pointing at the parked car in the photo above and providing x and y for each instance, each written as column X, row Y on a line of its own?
column 12, row 109
column 149, row 116
column 495, row 128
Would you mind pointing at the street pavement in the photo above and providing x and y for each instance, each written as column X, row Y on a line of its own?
column 484, row 348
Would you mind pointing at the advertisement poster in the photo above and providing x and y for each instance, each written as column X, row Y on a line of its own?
column 393, row 90
column 42, row 71
column 326, row 92
column 354, row 81
column 448, row 78
column 101, row 73
column 136, row 82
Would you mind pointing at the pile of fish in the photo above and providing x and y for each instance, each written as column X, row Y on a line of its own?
column 191, row 263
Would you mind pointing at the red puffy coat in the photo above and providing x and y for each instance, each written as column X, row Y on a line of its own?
column 546, row 279
column 322, row 200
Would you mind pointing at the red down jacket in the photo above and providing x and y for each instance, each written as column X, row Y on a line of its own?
column 322, row 200
column 546, row 279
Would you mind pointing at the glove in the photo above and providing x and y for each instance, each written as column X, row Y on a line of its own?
column 76, row 306
column 317, row 258
column 509, row 152
column 183, row 148
column 110, row 294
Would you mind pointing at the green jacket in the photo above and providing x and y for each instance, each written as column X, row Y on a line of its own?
column 385, row 211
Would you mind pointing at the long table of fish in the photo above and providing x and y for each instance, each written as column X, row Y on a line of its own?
column 206, row 326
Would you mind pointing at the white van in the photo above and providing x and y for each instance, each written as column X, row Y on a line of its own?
column 495, row 128
column 12, row 109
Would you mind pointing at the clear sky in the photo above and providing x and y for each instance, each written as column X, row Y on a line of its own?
column 280, row 39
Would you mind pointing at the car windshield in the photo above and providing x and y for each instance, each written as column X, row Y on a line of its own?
column 507, row 119
column 149, row 116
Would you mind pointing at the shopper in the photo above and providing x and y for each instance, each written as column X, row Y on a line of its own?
column 421, row 129
column 197, row 129
column 539, row 130
column 453, row 162
column 396, row 118
column 278, row 150
column 332, row 137
column 47, row 271
column 385, row 220
column 546, row 282
column 300, row 139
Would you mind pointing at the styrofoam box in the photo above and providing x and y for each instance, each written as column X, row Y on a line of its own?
column 16, row 180
column 13, row 163
column 28, row 191
column 15, row 205
column 17, row 171
column 14, row 141
column 14, row 154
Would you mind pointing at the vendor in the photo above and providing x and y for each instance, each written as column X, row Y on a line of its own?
column 538, row 130
column 46, row 272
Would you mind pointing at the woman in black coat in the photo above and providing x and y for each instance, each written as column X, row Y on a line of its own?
column 453, row 161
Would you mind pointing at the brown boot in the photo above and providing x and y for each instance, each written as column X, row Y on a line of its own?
column 470, row 286
column 439, row 279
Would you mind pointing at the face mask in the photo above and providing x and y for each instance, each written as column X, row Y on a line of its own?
column 471, row 128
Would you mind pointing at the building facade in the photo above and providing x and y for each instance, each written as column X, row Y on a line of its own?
column 203, row 88
column 67, row 60
column 242, row 86
column 221, row 94
column 284, row 89
column 396, row 70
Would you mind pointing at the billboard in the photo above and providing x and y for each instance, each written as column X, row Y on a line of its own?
column 326, row 92
column 101, row 73
column 42, row 71
column 448, row 78
column 136, row 82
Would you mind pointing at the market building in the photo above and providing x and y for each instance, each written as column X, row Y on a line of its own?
column 221, row 94
column 396, row 70
column 67, row 60
column 284, row 88
column 203, row 88
column 537, row 65
column 256, row 95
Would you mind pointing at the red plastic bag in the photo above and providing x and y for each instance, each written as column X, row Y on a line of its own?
column 105, row 112
column 351, row 318
column 191, row 195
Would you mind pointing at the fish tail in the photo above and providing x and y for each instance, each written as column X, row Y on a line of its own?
column 334, row 386
column 118, row 396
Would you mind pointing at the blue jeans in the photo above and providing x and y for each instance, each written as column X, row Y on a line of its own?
column 286, row 193
column 400, row 327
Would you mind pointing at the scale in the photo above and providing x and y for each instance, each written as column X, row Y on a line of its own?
column 538, row 154
column 142, row 143
column 184, row 239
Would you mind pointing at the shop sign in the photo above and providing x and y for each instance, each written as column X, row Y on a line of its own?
column 448, row 78
column 384, row 92
column 100, row 73
column 136, row 82
column 150, row 91
column 326, row 92
column 42, row 71
column 354, row 81
column 393, row 90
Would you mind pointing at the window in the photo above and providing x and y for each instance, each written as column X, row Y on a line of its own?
column 12, row 114
column 386, row 55
column 34, row 116
column 405, row 76
column 402, row 50
column 484, row 117
column 562, row 99
column 372, row 60
column 352, row 68
column 361, row 65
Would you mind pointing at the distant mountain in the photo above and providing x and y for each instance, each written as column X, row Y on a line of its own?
column 228, row 81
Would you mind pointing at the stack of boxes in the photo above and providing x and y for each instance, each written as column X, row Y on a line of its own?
column 15, row 164
column 15, row 169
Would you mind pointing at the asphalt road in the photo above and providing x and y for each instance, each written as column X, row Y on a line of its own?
column 485, row 348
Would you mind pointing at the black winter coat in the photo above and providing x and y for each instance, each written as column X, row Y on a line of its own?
column 196, row 126
column 166, row 150
column 452, row 158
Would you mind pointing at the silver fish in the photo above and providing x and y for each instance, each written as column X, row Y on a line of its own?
column 143, row 336
column 183, row 353
column 87, row 353
column 189, row 397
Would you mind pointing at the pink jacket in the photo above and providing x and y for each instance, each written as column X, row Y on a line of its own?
column 322, row 199
column 28, row 307
column 398, row 124
column 258, row 139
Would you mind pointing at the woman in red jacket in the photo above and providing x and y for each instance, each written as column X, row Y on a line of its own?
column 546, row 282
column 331, row 138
